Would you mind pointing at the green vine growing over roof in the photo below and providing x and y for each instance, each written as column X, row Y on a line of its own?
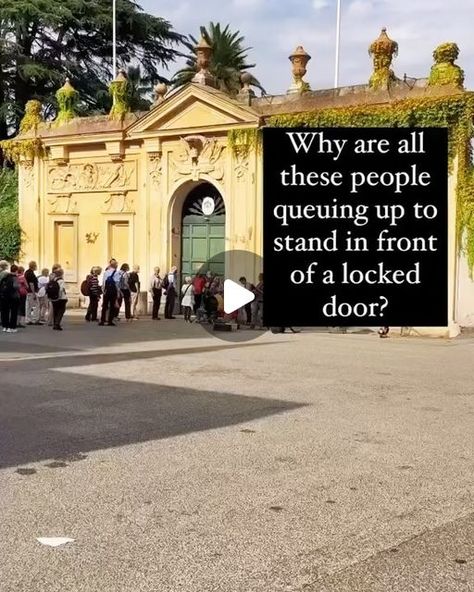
column 455, row 112
column 243, row 141
column 17, row 148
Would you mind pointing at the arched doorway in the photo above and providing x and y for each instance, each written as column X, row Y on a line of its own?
column 203, row 231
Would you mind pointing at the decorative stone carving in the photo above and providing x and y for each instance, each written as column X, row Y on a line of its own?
column 382, row 51
column 160, row 91
column 27, row 173
column 77, row 178
column 445, row 71
column 62, row 204
column 241, row 166
column 91, row 237
column 155, row 169
column 299, row 60
column 199, row 155
column 118, row 202
column 203, row 60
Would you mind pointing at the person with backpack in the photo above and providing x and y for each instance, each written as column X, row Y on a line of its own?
column 125, row 292
column 90, row 287
column 52, row 275
column 56, row 292
column 9, row 299
column 111, row 291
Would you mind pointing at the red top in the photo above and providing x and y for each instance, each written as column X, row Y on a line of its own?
column 23, row 285
column 198, row 284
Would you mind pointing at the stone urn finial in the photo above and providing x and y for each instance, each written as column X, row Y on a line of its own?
column 299, row 60
column 160, row 91
column 120, row 91
column 67, row 97
column 444, row 71
column 32, row 117
column 382, row 51
column 203, row 61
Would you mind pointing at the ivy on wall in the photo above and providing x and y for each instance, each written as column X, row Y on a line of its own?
column 10, row 231
column 454, row 112
column 17, row 148
column 244, row 141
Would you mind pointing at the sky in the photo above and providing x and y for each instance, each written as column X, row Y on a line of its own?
column 273, row 28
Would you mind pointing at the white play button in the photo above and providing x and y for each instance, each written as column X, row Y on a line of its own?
column 235, row 296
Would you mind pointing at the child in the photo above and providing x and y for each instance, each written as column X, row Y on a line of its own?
column 42, row 298
column 187, row 300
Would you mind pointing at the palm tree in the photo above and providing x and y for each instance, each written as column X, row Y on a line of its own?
column 140, row 88
column 228, row 61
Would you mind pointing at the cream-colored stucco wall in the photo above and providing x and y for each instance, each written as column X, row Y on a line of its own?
column 159, row 169
column 158, row 172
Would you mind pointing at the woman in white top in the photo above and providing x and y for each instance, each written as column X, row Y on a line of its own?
column 187, row 299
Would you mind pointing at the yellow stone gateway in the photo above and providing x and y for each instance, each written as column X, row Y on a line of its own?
column 183, row 181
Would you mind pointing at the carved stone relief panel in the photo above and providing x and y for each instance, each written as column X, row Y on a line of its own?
column 119, row 202
column 198, row 155
column 241, row 165
column 62, row 204
column 155, row 169
column 27, row 173
column 77, row 178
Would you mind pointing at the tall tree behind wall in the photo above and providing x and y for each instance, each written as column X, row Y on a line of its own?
column 43, row 41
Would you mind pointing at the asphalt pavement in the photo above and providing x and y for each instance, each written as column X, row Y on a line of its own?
column 180, row 462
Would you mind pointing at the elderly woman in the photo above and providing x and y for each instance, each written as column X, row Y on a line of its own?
column 187, row 298
column 94, row 292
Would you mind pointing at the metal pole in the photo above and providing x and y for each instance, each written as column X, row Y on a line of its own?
column 114, row 38
column 338, row 40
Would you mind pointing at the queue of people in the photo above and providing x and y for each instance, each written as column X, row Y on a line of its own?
column 31, row 298
column 28, row 299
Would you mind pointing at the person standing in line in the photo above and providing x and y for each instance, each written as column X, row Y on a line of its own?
column 94, row 291
column 134, row 285
column 32, row 304
column 248, row 307
column 58, row 298
column 171, row 284
column 156, row 291
column 43, row 280
column 9, row 299
column 111, row 291
column 3, row 274
column 198, row 287
column 23, row 287
column 52, row 275
column 257, row 304
column 187, row 299
column 125, row 292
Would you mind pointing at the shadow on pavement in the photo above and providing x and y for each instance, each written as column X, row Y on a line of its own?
column 52, row 415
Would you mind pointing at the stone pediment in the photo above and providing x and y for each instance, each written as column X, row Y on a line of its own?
column 194, row 108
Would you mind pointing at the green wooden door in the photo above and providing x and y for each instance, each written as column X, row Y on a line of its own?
column 203, row 237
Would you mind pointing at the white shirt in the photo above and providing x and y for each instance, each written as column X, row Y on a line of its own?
column 42, row 283
column 188, row 295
